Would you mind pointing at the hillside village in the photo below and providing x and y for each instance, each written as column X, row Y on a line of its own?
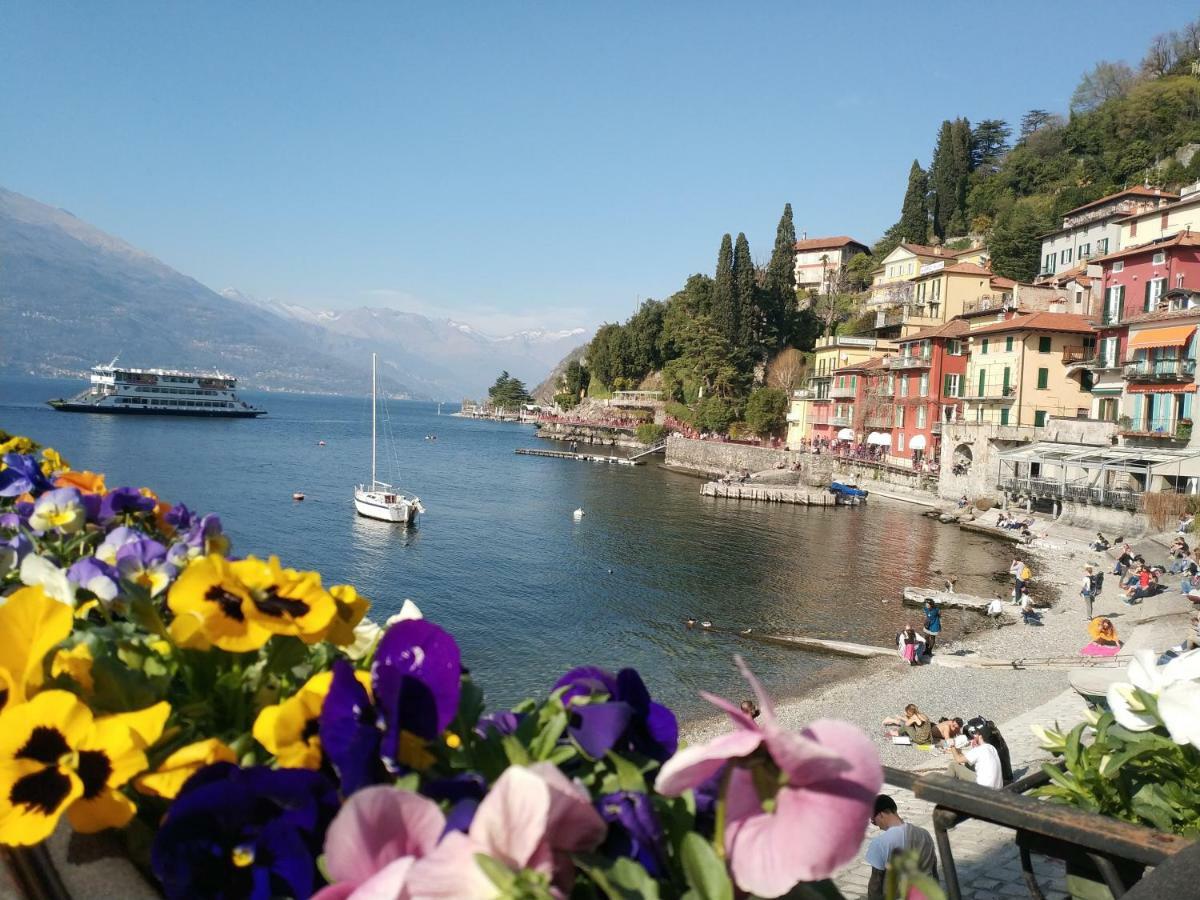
column 1056, row 364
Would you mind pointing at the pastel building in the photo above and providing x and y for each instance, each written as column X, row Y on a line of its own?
column 1018, row 371
column 1160, row 376
column 1163, row 219
column 820, row 262
column 925, row 382
column 816, row 408
column 1094, row 229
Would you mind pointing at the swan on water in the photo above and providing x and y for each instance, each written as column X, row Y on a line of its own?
column 578, row 514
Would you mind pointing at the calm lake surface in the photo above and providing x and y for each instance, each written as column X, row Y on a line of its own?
column 498, row 560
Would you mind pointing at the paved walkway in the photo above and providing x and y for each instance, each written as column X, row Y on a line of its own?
column 984, row 854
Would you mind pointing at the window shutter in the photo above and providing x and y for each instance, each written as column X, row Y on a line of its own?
column 1146, row 301
column 1043, row 378
column 946, row 387
column 1120, row 302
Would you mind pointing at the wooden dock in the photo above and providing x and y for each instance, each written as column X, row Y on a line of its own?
column 820, row 645
column 580, row 457
column 915, row 596
column 768, row 494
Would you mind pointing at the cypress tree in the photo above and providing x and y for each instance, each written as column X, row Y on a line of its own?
column 781, row 273
column 961, row 159
column 914, row 215
column 751, row 333
column 724, row 302
column 942, row 182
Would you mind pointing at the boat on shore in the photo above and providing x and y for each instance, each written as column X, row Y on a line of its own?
column 124, row 390
column 379, row 500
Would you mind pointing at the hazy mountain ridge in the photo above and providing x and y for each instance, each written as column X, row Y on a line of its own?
column 72, row 295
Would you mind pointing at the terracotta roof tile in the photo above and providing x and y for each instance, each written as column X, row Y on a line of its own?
column 1182, row 239
column 875, row 362
column 1135, row 191
column 830, row 243
column 953, row 328
column 1039, row 321
column 1160, row 315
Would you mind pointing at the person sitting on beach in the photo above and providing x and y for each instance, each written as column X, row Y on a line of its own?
column 1185, row 523
column 986, row 729
column 1177, row 555
column 910, row 645
column 1191, row 573
column 947, row 731
column 1145, row 586
column 914, row 723
column 895, row 836
column 750, row 708
column 1102, row 631
column 979, row 762
column 995, row 609
column 1029, row 615
column 963, row 501
column 1100, row 543
column 1124, row 560
column 1134, row 573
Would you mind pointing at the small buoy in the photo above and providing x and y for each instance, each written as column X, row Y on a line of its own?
column 610, row 571
column 747, row 631
column 298, row 495
column 706, row 624
column 320, row 443
column 578, row 514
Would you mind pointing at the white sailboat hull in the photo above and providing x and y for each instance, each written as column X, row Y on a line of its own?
column 386, row 506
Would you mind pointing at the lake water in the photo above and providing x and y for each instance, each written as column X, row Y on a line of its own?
column 498, row 560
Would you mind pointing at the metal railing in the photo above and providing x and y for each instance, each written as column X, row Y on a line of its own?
column 1078, row 354
column 846, row 392
column 991, row 390
column 907, row 362
column 1160, row 369
column 841, row 420
column 1117, row 497
column 1169, row 428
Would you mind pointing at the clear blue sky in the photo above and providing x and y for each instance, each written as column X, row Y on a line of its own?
column 508, row 163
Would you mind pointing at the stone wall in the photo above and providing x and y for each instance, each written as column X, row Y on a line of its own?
column 588, row 434
column 716, row 458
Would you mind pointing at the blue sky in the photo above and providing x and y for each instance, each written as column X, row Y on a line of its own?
column 508, row 164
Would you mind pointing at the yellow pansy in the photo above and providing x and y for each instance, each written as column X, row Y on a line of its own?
column 52, row 462
column 17, row 444
column 76, row 664
column 168, row 779
column 55, row 757
column 31, row 624
column 351, row 607
column 289, row 730
column 238, row 606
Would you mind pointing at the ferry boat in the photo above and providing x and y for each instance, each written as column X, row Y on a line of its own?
column 123, row 390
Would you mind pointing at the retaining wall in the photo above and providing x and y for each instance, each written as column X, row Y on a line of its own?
column 588, row 434
column 716, row 458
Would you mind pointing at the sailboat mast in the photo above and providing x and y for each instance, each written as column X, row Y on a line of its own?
column 373, row 405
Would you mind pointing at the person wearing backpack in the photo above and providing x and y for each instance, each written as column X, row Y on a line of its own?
column 986, row 729
column 1090, row 588
column 1021, row 574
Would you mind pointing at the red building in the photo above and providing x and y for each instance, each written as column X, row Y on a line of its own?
column 1136, row 280
column 925, row 383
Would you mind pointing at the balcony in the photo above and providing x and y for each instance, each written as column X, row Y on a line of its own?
column 846, row 392
column 907, row 362
column 1165, row 370
column 989, row 302
column 994, row 392
column 879, row 420
column 841, row 421
column 1078, row 354
column 1162, row 428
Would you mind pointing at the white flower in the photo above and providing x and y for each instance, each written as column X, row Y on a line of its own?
column 36, row 570
column 408, row 611
column 1176, row 686
column 366, row 635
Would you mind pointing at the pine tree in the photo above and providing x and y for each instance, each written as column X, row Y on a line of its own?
column 914, row 215
column 725, row 315
column 752, row 331
column 781, row 273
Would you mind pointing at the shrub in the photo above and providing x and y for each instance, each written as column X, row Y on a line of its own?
column 766, row 411
column 649, row 433
column 566, row 401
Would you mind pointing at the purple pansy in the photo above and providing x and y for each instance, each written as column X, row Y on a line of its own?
column 179, row 517
column 634, row 829
column 253, row 832
column 123, row 502
column 22, row 475
column 115, row 540
column 501, row 722
column 415, row 679
column 203, row 536
column 144, row 563
column 607, row 711
column 91, row 574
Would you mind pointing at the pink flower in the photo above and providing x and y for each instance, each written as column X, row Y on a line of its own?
column 828, row 776
column 532, row 818
column 375, row 839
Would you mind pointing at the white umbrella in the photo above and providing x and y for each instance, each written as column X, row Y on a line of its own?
column 845, row 434
column 917, row 443
column 873, row 437
column 885, row 440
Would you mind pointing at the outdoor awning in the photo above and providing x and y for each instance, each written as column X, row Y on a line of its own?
column 1171, row 336
column 1160, row 388
column 845, row 435
column 1161, row 461
column 873, row 437
column 885, row 440
column 917, row 443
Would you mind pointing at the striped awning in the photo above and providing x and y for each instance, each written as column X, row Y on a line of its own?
column 1160, row 388
column 1172, row 336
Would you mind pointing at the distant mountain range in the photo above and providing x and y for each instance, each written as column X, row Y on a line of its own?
column 72, row 296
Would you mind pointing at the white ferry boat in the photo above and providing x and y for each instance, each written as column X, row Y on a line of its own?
column 159, row 392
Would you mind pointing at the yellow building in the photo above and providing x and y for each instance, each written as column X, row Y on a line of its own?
column 1018, row 373
column 813, row 406
column 1167, row 219
column 941, row 291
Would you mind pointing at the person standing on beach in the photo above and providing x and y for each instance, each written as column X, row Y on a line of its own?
column 1089, row 589
column 895, row 836
column 1021, row 574
column 933, row 625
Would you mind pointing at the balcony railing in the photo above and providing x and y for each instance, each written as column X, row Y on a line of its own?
column 845, row 392
column 841, row 421
column 1160, row 370
column 1078, row 354
column 991, row 391
column 1164, row 429
column 988, row 302
column 907, row 362
column 1119, row 498
column 879, row 420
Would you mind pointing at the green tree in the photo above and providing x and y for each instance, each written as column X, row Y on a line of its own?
column 766, row 411
column 1034, row 121
column 1016, row 241
column 753, row 330
column 780, row 281
column 725, row 313
column 609, row 355
column 858, row 272
column 989, row 142
column 948, row 174
column 715, row 414
column 576, row 378
column 643, row 332
column 1106, row 81
column 508, row 392
column 914, row 214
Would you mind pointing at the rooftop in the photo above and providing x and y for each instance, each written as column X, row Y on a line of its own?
column 1161, row 315
column 875, row 362
column 828, row 243
column 952, row 329
column 1182, row 239
column 1039, row 321
column 1136, row 191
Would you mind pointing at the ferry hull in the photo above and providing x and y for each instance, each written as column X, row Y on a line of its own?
column 405, row 512
column 68, row 406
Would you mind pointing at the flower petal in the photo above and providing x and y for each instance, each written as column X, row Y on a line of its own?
column 572, row 824
column 451, row 873
column 512, row 820
column 1184, row 667
column 691, row 766
column 1179, row 707
column 597, row 726
column 1144, row 672
column 1120, row 699
column 377, row 826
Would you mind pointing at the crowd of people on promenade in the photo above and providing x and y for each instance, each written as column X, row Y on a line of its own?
column 593, row 421
column 977, row 749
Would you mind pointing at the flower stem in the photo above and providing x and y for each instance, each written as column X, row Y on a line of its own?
column 719, row 827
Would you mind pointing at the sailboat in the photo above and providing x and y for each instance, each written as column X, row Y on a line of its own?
column 379, row 500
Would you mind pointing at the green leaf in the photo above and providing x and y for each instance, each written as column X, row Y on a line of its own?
column 515, row 751
column 499, row 874
column 705, row 873
column 629, row 776
column 547, row 737
column 624, row 879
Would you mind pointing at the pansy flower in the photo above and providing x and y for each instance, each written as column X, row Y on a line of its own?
column 59, row 510
column 144, row 563
column 174, row 771
column 53, row 462
column 85, row 482
column 96, row 577
column 21, row 474
column 351, row 607
column 238, row 606
column 633, row 829
column 239, row 833
column 31, row 623
column 40, row 572
column 289, row 729
column 55, row 758
column 114, row 541
column 415, row 679
column 123, row 503
column 607, row 711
